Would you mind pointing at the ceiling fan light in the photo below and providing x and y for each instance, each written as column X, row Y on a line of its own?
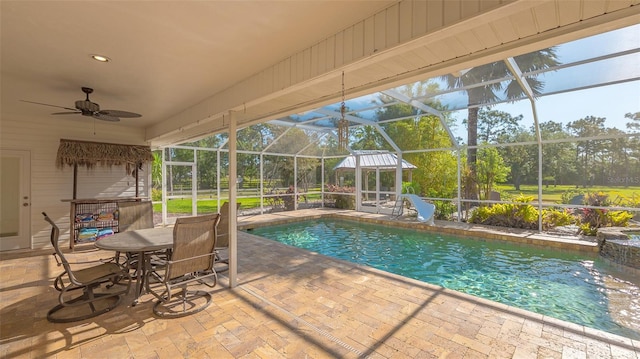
column 100, row 58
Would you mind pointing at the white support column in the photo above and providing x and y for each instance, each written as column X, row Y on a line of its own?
column 459, row 161
column 233, row 214
column 218, row 177
column 358, row 192
column 377, row 189
column 399, row 175
column 295, row 183
column 261, row 183
column 194, row 184
column 322, row 180
column 164, row 187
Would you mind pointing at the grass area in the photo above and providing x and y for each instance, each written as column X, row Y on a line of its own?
column 550, row 194
column 209, row 205
column 204, row 206
column 553, row 194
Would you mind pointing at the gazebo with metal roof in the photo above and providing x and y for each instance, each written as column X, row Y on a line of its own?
column 366, row 162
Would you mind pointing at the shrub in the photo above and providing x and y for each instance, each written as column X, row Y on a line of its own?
column 619, row 218
column 342, row 201
column 552, row 217
column 567, row 196
column 590, row 219
column 600, row 199
column 481, row 214
column 156, row 195
column 411, row 187
column 633, row 201
column 514, row 215
column 444, row 210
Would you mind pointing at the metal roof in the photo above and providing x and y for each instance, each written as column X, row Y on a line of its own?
column 374, row 159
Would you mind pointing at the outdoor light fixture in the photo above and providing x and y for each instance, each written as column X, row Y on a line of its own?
column 343, row 124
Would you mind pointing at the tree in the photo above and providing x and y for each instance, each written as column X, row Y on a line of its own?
column 437, row 170
column 253, row 138
column 481, row 87
column 156, row 170
column 522, row 160
column 490, row 169
column 588, row 152
column 558, row 160
column 494, row 124
column 207, row 161
column 634, row 125
column 367, row 138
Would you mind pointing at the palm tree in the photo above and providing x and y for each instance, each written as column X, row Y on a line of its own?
column 482, row 88
column 156, row 170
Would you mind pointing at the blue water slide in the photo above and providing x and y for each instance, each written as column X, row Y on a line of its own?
column 425, row 210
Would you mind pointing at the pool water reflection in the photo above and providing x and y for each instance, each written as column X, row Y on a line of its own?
column 576, row 287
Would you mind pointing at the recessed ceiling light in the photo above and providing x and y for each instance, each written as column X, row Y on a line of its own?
column 100, row 58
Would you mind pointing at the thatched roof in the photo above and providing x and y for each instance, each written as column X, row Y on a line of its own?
column 89, row 154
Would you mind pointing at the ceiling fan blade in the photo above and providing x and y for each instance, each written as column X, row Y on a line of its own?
column 46, row 104
column 118, row 113
column 67, row 113
column 105, row 117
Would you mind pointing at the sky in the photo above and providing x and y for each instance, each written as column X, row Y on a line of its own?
column 610, row 102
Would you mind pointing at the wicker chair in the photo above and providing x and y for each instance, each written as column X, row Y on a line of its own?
column 87, row 279
column 222, row 238
column 189, row 262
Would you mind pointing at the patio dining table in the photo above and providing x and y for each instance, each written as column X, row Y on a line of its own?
column 138, row 241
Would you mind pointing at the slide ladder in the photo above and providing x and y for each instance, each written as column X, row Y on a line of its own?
column 398, row 207
column 425, row 210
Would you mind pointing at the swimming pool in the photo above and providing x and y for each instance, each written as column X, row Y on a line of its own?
column 576, row 287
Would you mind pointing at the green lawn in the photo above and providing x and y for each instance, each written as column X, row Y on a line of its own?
column 553, row 194
column 211, row 205
column 204, row 206
column 550, row 194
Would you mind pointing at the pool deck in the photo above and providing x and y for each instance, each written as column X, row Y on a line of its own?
column 291, row 303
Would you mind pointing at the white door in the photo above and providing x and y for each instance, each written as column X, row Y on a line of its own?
column 15, row 199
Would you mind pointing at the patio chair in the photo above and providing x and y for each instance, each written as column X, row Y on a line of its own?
column 222, row 237
column 135, row 215
column 87, row 279
column 131, row 216
column 190, row 262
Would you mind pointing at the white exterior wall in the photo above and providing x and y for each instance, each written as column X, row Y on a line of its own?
column 49, row 185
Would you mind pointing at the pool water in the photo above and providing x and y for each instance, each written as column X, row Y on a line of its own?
column 576, row 287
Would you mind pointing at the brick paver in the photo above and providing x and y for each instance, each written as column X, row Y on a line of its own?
column 291, row 303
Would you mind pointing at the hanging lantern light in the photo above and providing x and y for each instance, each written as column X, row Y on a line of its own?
column 343, row 124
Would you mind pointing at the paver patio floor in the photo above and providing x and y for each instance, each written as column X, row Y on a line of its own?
column 290, row 303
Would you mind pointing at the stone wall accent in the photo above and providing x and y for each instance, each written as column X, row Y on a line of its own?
column 616, row 245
